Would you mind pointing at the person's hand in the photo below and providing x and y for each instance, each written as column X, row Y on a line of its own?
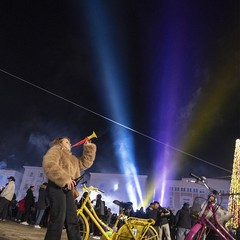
column 161, row 214
column 71, row 185
column 88, row 142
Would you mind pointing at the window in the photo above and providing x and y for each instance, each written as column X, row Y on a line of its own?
column 195, row 190
column 182, row 189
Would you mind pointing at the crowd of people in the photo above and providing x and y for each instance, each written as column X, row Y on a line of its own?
column 27, row 211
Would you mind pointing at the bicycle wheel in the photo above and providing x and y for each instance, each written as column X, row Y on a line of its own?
column 196, row 234
column 84, row 227
column 151, row 234
column 141, row 233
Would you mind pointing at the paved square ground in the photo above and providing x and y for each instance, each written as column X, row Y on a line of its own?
column 11, row 230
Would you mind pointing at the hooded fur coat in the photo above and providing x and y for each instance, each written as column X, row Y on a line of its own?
column 61, row 166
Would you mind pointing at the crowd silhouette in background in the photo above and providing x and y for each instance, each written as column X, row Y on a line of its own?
column 28, row 211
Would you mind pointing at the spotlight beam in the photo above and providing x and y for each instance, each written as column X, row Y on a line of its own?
column 113, row 121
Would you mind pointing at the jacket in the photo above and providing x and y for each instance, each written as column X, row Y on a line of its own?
column 183, row 218
column 153, row 214
column 99, row 207
column 29, row 200
column 61, row 166
column 9, row 191
column 163, row 216
column 21, row 205
column 43, row 201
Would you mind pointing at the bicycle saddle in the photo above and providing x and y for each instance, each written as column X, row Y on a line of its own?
column 125, row 205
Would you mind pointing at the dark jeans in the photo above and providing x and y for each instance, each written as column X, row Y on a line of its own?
column 4, row 207
column 28, row 213
column 96, row 231
column 62, row 212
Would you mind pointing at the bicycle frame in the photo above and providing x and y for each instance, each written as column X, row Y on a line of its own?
column 134, row 223
column 126, row 231
column 199, row 228
column 202, row 225
column 92, row 214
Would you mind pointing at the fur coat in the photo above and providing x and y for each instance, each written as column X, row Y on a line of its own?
column 61, row 166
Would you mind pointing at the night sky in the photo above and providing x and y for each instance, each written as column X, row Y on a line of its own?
column 164, row 73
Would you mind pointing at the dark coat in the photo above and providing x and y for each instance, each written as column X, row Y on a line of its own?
column 99, row 207
column 153, row 214
column 29, row 201
column 163, row 216
column 42, row 202
column 183, row 218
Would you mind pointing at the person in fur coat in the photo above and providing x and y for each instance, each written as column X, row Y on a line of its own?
column 61, row 167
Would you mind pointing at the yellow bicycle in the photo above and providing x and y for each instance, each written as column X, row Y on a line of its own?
column 132, row 228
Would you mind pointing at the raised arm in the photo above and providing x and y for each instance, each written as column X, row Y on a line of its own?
column 88, row 156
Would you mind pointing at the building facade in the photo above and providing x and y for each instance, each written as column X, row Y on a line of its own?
column 125, row 188
column 186, row 190
column 33, row 176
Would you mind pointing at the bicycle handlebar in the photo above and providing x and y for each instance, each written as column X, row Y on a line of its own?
column 213, row 191
column 100, row 190
column 196, row 177
column 202, row 180
column 91, row 188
